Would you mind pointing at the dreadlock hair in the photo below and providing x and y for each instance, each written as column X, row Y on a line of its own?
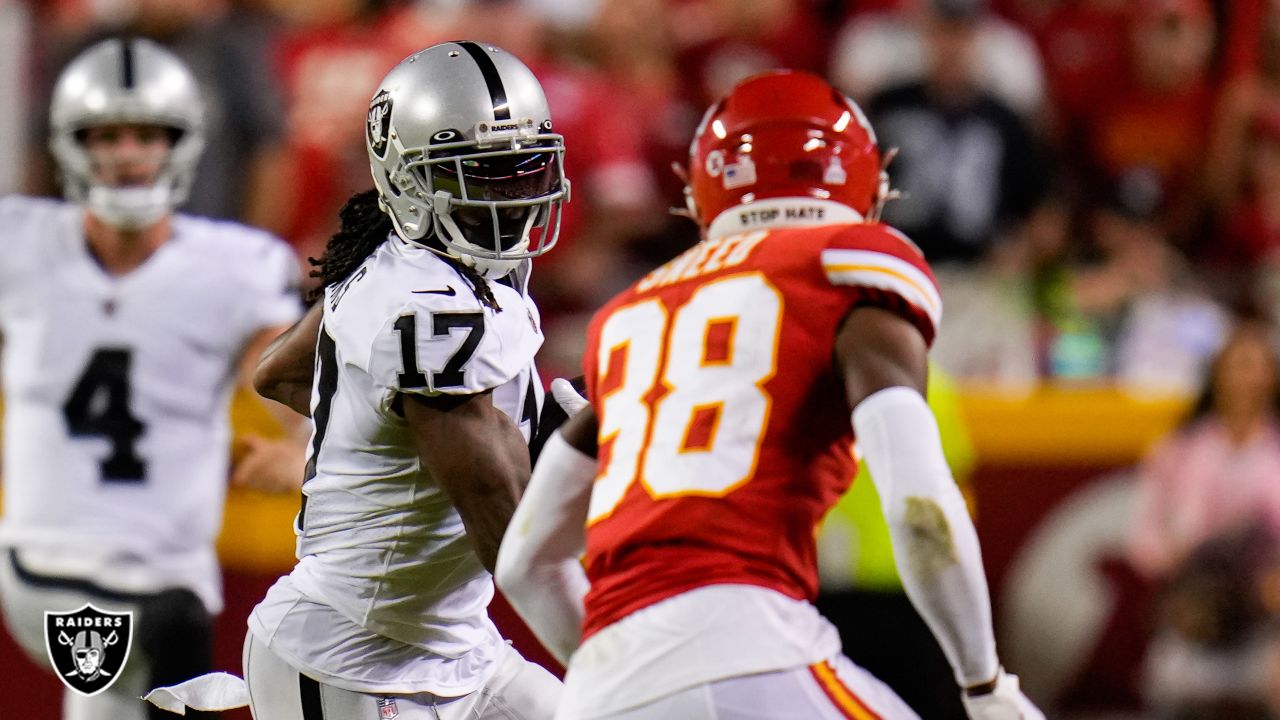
column 479, row 286
column 365, row 226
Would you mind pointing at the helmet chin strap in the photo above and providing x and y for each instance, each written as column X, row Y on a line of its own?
column 129, row 208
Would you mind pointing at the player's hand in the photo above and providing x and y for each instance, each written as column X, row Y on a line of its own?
column 273, row 466
column 567, row 397
column 1005, row 702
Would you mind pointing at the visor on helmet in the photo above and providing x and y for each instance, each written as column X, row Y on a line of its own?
column 496, row 196
column 497, row 199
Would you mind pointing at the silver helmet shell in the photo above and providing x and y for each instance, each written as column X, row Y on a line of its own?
column 462, row 153
column 126, row 81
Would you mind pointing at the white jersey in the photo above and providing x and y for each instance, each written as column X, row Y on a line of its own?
column 698, row 637
column 382, row 553
column 116, row 390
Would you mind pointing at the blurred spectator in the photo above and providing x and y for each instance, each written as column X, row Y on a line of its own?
column 988, row 333
column 1208, row 660
column 876, row 51
column 1206, row 527
column 1247, row 258
column 635, row 45
column 614, row 190
column 329, row 56
column 632, row 42
column 228, row 47
column 720, row 42
column 1248, row 103
column 969, row 166
column 1083, row 44
column 1134, row 312
column 1219, row 472
column 1157, row 118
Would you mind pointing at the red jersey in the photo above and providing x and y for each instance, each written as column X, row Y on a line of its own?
column 724, row 426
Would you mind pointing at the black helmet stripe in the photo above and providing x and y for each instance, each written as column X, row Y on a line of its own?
column 126, row 63
column 492, row 79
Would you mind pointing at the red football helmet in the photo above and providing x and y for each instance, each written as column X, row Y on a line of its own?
column 783, row 134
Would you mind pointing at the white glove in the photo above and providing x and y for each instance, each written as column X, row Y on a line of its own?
column 212, row 692
column 1006, row 702
column 567, row 397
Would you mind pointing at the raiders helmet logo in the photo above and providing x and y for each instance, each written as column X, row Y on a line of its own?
column 378, row 124
column 88, row 647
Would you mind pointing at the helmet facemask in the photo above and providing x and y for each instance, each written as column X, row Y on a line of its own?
column 491, row 204
column 89, row 178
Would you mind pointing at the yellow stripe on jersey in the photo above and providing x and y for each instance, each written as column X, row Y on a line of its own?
column 886, row 272
column 839, row 694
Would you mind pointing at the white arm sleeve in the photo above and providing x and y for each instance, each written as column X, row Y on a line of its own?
column 934, row 543
column 539, row 568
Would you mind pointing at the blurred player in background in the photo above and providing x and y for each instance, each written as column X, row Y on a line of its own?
column 417, row 369
column 125, row 329
column 719, row 434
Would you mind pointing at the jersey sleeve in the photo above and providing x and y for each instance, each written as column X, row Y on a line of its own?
column 888, row 271
column 452, row 346
column 21, row 218
column 7, row 264
column 272, row 292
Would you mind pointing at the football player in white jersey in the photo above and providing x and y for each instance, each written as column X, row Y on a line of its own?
column 125, row 329
column 417, row 370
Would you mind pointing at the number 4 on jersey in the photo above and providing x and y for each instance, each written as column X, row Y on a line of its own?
column 99, row 407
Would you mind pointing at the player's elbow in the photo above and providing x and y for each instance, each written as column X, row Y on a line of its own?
column 270, row 382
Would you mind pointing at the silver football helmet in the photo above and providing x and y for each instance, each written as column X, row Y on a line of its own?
column 461, row 150
column 126, row 81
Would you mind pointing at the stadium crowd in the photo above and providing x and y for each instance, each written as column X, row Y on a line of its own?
column 1096, row 183
column 1093, row 178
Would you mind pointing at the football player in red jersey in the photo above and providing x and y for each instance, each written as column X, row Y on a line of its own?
column 719, row 433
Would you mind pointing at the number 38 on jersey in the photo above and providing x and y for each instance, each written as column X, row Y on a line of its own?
column 682, row 398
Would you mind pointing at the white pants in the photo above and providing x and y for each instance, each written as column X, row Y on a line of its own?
column 24, row 605
column 832, row 690
column 519, row 690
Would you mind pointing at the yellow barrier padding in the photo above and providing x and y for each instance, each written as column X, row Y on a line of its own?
column 257, row 528
column 1066, row 425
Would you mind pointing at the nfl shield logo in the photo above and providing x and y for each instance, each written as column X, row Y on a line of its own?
column 88, row 647
column 387, row 709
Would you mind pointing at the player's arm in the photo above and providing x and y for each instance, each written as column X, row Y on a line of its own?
column 538, row 567
column 284, row 370
column 478, row 457
column 262, row 463
column 882, row 358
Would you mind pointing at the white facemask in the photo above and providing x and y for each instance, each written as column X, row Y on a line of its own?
column 129, row 208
